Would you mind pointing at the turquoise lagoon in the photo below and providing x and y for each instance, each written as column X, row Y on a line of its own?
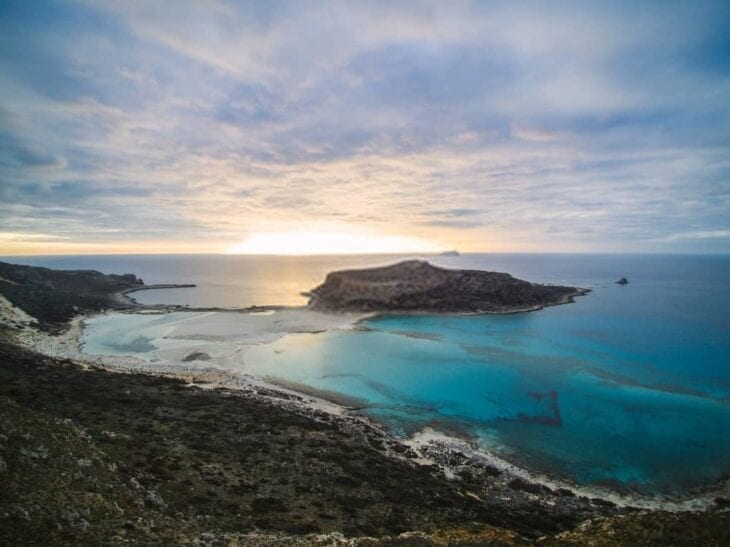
column 602, row 391
column 628, row 387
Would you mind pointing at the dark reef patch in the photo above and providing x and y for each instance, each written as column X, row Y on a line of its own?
column 196, row 356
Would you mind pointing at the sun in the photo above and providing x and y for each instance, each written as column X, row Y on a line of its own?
column 328, row 243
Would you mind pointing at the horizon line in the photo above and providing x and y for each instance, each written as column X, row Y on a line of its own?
column 289, row 255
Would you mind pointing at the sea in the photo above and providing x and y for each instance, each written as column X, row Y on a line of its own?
column 627, row 388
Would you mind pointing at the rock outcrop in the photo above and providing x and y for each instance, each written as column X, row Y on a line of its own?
column 417, row 286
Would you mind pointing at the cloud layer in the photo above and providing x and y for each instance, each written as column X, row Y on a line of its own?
column 189, row 125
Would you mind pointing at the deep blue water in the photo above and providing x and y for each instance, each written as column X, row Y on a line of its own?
column 630, row 385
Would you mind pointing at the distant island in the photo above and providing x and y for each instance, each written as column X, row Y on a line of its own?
column 417, row 286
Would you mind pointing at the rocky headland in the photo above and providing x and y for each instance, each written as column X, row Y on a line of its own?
column 54, row 297
column 417, row 286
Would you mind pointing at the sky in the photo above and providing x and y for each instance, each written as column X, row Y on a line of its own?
column 217, row 126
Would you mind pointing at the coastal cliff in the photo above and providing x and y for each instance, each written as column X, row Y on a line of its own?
column 416, row 285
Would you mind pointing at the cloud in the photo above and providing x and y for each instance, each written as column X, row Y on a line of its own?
column 532, row 133
column 569, row 126
column 24, row 157
column 708, row 234
column 454, row 223
column 453, row 213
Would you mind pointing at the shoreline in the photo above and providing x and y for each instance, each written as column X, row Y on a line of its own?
column 124, row 298
column 432, row 446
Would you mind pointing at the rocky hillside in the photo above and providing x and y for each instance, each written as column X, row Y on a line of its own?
column 416, row 285
column 55, row 296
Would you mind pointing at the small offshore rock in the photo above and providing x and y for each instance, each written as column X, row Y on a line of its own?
column 622, row 281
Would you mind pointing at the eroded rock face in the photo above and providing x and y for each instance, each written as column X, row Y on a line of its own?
column 416, row 285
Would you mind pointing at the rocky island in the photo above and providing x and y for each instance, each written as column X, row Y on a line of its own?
column 417, row 286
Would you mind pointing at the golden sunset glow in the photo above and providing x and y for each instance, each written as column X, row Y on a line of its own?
column 324, row 242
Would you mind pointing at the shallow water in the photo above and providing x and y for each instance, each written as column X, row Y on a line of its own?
column 570, row 391
column 628, row 386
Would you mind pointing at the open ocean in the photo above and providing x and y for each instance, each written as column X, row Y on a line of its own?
column 627, row 387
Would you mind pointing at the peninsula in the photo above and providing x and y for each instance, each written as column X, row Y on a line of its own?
column 417, row 286
column 54, row 297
